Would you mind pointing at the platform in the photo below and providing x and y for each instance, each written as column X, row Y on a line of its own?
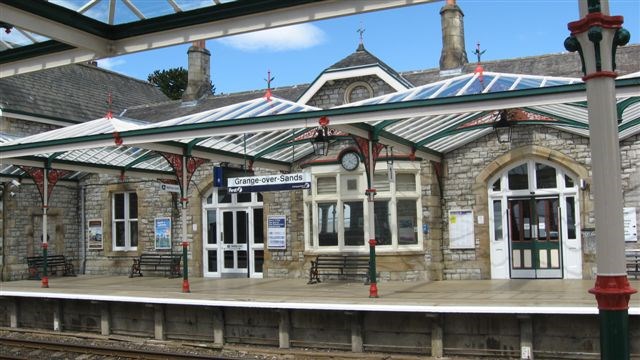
column 453, row 296
column 501, row 319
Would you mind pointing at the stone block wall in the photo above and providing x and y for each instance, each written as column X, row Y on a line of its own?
column 21, row 128
column 333, row 93
column 465, row 164
column 152, row 203
column 22, row 226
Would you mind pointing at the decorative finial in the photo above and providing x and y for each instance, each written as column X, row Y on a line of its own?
column 269, row 79
column 109, row 103
column 361, row 31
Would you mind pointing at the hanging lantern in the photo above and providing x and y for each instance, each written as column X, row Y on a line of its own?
column 502, row 127
column 321, row 141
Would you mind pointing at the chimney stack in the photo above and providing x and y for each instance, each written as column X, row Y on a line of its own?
column 454, row 55
column 199, row 76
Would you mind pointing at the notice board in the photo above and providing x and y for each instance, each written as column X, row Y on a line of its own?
column 277, row 232
column 630, row 225
column 461, row 235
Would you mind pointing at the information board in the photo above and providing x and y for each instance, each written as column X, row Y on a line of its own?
column 277, row 232
column 461, row 235
column 630, row 225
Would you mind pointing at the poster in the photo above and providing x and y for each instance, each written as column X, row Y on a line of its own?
column 461, row 234
column 95, row 234
column 162, row 226
column 277, row 232
column 630, row 224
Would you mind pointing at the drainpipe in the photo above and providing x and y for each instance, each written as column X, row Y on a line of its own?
column 83, row 240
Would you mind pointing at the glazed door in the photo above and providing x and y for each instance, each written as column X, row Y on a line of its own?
column 535, row 237
column 211, row 245
column 235, row 242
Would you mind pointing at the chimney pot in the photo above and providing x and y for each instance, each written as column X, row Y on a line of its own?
column 453, row 55
column 199, row 71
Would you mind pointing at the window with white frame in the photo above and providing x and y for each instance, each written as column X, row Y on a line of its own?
column 337, row 210
column 124, row 221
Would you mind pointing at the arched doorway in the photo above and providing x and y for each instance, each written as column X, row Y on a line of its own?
column 233, row 234
column 534, row 222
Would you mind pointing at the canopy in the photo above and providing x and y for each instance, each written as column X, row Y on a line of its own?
column 44, row 34
column 430, row 120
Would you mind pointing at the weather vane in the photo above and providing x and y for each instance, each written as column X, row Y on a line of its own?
column 361, row 30
column 269, row 79
column 109, row 103
column 478, row 52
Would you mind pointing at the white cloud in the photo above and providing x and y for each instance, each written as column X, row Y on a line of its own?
column 110, row 63
column 294, row 37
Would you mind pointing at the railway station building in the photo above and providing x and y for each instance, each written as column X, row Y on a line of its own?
column 456, row 197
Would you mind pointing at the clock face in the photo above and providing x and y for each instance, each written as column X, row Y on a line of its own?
column 350, row 161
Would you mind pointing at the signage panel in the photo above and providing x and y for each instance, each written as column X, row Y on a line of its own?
column 277, row 232
column 279, row 182
column 170, row 188
column 630, row 225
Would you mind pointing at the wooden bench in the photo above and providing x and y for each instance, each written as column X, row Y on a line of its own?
column 341, row 266
column 55, row 263
column 167, row 263
column 633, row 262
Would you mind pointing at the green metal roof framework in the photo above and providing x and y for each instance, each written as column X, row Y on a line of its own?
column 45, row 34
column 264, row 131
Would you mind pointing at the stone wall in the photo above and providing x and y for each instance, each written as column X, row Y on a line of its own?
column 290, row 262
column 22, row 226
column 152, row 203
column 461, row 191
column 21, row 128
column 333, row 93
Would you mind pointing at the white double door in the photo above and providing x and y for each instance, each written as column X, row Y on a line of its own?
column 233, row 243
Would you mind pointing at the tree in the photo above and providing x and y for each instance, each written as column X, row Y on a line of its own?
column 172, row 82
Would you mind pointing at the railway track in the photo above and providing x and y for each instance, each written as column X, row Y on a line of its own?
column 43, row 349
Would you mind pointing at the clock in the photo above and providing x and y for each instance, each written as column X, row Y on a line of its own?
column 350, row 160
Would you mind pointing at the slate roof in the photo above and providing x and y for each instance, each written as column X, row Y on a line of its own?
column 561, row 64
column 173, row 109
column 74, row 93
column 362, row 58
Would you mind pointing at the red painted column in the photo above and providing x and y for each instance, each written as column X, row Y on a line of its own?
column 185, row 268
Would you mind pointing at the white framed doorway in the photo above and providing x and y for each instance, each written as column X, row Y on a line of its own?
column 233, row 234
column 534, row 221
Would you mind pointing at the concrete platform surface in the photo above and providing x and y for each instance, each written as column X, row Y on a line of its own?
column 452, row 296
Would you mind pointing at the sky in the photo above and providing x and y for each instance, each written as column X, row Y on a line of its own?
column 406, row 39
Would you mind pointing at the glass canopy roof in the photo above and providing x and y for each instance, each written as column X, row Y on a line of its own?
column 39, row 34
column 126, row 11
column 273, row 133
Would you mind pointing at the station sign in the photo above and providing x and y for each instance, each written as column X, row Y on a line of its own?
column 170, row 188
column 279, row 182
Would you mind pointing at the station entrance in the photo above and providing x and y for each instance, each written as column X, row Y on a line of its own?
column 233, row 235
column 535, row 221
column 534, row 237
